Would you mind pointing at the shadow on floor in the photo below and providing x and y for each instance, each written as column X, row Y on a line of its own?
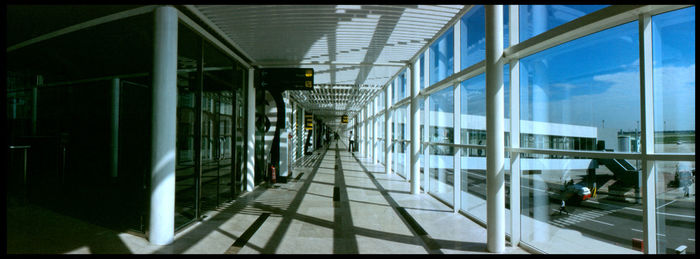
column 35, row 230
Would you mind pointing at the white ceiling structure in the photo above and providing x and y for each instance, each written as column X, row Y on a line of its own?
column 354, row 49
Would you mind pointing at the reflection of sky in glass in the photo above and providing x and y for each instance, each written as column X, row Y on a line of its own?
column 441, row 57
column 442, row 101
column 585, row 81
column 473, row 94
column 536, row 19
column 421, row 82
column 473, row 37
column 673, row 41
column 401, row 89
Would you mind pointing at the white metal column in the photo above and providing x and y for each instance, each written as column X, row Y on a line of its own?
column 284, row 143
column 426, row 123
column 163, row 137
column 495, row 181
column 363, row 147
column 368, row 124
column 415, row 129
column 387, row 133
column 375, row 132
column 250, row 141
column 514, row 38
column 457, row 125
column 114, row 135
column 647, row 124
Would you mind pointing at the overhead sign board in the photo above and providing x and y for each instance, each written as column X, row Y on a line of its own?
column 308, row 121
column 344, row 119
column 282, row 79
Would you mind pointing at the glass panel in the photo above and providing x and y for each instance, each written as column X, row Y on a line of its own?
column 188, row 90
column 401, row 134
column 536, row 19
column 441, row 57
column 506, row 40
column 675, row 206
column 573, row 90
column 441, row 131
column 421, row 81
column 576, row 204
column 473, row 37
column 473, row 184
column 402, row 86
column 240, row 105
column 380, row 143
column 442, row 173
column 673, row 41
column 380, row 104
column 216, row 128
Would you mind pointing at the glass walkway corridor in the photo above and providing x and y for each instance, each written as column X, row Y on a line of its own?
column 350, row 129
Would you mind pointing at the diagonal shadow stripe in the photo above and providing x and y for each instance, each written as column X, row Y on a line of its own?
column 243, row 239
column 344, row 240
column 288, row 214
column 428, row 243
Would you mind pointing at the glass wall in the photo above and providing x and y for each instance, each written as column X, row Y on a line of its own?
column 580, row 95
column 210, row 129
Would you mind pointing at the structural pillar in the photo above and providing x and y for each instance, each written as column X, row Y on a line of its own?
column 415, row 129
column 375, row 132
column 514, row 129
column 163, row 123
column 495, row 178
column 457, row 124
column 426, row 123
column 250, row 140
column 387, row 132
column 114, row 136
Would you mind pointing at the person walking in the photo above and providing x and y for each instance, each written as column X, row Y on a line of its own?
column 563, row 207
column 351, row 144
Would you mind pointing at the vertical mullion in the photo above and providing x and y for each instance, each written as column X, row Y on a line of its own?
column 426, row 149
column 647, row 131
column 387, row 137
column 414, row 129
column 426, row 122
column 456, row 189
column 514, row 36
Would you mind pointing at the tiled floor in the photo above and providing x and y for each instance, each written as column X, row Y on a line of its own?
column 300, row 216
